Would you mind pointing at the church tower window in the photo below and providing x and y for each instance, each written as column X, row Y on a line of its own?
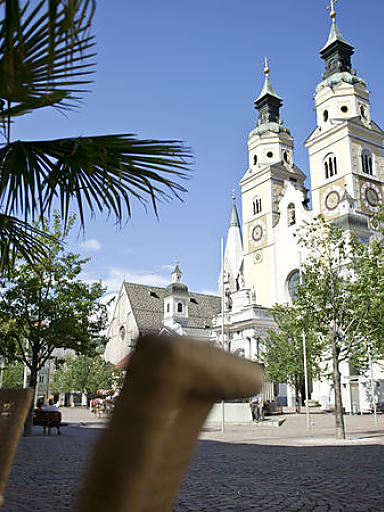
column 257, row 205
column 179, row 307
column 255, row 160
column 366, row 161
column 330, row 166
column 291, row 214
column 293, row 281
column 168, row 308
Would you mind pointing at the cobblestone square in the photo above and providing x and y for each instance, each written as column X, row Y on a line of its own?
column 248, row 468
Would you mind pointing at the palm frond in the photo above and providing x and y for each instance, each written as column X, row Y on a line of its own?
column 18, row 238
column 44, row 48
column 102, row 173
column 31, row 104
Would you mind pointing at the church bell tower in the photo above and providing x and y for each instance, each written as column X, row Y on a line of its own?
column 271, row 171
column 346, row 148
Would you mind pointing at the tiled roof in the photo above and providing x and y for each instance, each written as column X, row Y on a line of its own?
column 147, row 304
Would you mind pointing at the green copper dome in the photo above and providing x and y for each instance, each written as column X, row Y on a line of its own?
column 334, row 35
column 267, row 89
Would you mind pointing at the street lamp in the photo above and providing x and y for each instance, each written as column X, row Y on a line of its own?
column 373, row 398
column 305, row 362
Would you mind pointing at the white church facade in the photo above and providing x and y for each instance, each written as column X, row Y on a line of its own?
column 262, row 257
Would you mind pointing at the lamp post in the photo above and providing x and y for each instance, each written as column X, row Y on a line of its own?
column 373, row 399
column 222, row 326
column 306, row 386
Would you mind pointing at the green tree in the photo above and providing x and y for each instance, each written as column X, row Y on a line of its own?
column 341, row 300
column 45, row 306
column 84, row 374
column 283, row 355
column 47, row 56
column 12, row 375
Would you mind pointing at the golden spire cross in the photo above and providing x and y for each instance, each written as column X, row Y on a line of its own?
column 266, row 66
column 331, row 8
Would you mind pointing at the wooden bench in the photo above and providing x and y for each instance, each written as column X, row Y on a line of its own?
column 48, row 420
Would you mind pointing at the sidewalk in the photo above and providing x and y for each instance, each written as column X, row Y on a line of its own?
column 293, row 431
column 81, row 416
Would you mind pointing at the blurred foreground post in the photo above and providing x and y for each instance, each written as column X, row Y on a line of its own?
column 170, row 387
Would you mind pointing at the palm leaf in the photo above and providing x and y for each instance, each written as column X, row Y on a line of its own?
column 102, row 173
column 18, row 238
column 45, row 47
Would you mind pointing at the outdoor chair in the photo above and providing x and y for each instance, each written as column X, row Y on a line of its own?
column 171, row 385
column 14, row 407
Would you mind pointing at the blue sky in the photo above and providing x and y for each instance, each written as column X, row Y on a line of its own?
column 191, row 71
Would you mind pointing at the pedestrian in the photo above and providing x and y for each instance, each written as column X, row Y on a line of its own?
column 40, row 404
column 254, row 410
column 260, row 407
column 51, row 407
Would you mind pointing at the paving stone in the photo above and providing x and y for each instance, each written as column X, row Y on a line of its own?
column 242, row 471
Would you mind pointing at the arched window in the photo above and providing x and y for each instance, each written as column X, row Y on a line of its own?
column 256, row 205
column 330, row 166
column 366, row 162
column 255, row 160
column 293, row 281
column 168, row 307
column 122, row 333
column 291, row 214
column 179, row 307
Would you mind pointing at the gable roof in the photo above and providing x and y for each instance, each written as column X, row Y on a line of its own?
column 147, row 304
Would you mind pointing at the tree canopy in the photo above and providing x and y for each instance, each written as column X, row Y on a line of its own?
column 340, row 302
column 46, row 306
column 283, row 351
column 84, row 374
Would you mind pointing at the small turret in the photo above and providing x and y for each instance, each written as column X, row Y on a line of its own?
column 176, row 274
column 233, row 251
column 176, row 300
column 268, row 105
column 337, row 53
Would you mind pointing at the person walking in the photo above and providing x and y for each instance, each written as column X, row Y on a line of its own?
column 254, row 408
column 260, row 408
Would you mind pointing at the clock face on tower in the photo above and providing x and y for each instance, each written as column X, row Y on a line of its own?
column 371, row 196
column 257, row 233
column 332, row 200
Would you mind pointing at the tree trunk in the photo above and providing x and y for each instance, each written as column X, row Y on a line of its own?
column 28, row 425
column 339, row 414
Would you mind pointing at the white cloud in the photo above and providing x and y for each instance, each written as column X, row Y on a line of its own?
column 117, row 275
column 91, row 245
